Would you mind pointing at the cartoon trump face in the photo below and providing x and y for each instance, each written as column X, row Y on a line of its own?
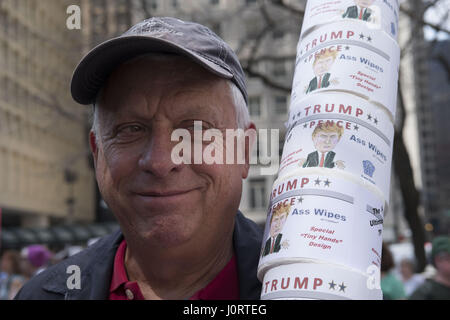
column 323, row 64
column 279, row 216
column 278, row 220
column 325, row 138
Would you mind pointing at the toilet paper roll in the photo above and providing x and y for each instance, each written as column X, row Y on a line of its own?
column 349, row 133
column 351, row 58
column 322, row 216
column 319, row 281
column 376, row 14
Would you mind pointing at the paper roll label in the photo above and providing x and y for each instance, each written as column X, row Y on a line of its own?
column 376, row 14
column 340, row 132
column 325, row 218
column 319, row 281
column 351, row 58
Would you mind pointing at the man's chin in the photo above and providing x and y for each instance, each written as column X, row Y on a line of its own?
column 166, row 229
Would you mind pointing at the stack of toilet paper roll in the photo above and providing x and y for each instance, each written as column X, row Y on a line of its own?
column 324, row 226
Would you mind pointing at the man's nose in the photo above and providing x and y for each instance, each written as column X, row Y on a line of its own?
column 156, row 158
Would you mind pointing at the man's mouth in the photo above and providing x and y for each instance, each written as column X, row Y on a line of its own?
column 164, row 194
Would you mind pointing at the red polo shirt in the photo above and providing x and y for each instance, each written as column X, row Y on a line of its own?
column 225, row 286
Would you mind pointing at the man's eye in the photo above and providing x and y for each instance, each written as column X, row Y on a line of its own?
column 196, row 125
column 130, row 129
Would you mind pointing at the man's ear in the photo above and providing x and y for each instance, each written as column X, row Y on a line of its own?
column 251, row 133
column 93, row 146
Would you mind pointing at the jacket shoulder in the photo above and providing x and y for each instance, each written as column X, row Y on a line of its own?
column 247, row 240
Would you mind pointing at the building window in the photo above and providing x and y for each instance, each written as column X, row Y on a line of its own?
column 254, row 105
column 175, row 3
column 279, row 68
column 278, row 34
column 258, row 193
column 214, row 2
column 249, row 2
column 280, row 105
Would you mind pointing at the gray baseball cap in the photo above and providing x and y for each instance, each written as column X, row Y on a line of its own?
column 161, row 35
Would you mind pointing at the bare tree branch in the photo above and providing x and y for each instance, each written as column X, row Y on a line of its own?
column 417, row 16
column 267, row 80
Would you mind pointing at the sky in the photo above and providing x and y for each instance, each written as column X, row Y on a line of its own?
column 440, row 15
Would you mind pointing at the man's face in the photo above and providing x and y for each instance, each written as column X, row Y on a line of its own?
column 153, row 199
column 364, row 3
column 277, row 224
column 325, row 141
column 323, row 65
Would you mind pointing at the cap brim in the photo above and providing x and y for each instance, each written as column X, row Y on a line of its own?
column 94, row 69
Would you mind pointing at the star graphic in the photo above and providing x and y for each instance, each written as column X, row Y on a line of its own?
column 300, row 199
column 332, row 285
column 342, row 287
column 298, row 114
column 347, row 48
column 356, row 127
column 369, row 117
column 306, row 61
column 305, row 126
column 375, row 120
column 318, row 181
column 327, row 183
column 293, row 118
column 369, row 39
column 361, row 36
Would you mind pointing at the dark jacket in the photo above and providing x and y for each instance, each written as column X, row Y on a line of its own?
column 325, row 83
column 96, row 265
column 313, row 160
column 276, row 247
column 352, row 12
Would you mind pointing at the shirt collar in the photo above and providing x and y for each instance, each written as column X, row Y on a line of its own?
column 119, row 276
column 225, row 286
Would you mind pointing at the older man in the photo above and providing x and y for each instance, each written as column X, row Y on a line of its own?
column 182, row 236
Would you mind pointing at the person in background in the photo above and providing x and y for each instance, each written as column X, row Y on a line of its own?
column 437, row 288
column 10, row 279
column 35, row 259
column 411, row 281
column 391, row 286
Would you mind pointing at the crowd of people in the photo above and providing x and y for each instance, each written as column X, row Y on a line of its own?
column 18, row 266
column 403, row 283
